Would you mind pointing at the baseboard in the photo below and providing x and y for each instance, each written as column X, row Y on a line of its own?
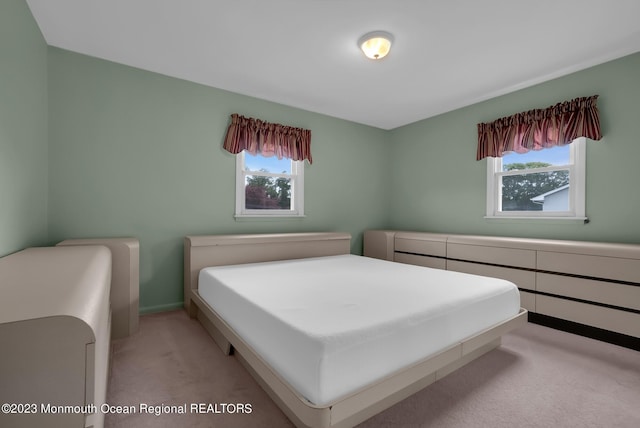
column 160, row 308
column 586, row 331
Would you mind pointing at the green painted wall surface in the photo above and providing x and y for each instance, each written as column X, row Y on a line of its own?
column 23, row 129
column 134, row 153
column 438, row 186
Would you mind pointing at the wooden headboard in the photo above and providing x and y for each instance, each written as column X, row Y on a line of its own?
column 218, row 250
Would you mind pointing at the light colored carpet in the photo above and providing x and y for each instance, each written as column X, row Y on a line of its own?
column 539, row 377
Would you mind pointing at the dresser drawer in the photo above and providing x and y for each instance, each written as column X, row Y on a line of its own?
column 521, row 278
column 528, row 301
column 495, row 255
column 430, row 245
column 610, row 293
column 412, row 259
column 619, row 269
column 597, row 316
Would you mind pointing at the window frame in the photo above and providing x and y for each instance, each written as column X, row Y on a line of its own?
column 577, row 188
column 297, row 190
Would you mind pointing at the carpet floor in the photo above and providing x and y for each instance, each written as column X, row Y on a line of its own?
column 171, row 374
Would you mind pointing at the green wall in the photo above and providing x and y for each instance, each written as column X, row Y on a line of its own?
column 134, row 153
column 439, row 186
column 23, row 129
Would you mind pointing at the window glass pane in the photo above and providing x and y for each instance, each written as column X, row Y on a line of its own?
column 541, row 191
column 558, row 155
column 267, row 193
column 270, row 164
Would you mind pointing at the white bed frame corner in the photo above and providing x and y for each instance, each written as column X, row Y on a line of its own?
column 219, row 250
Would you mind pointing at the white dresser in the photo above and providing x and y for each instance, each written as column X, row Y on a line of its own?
column 588, row 288
column 54, row 336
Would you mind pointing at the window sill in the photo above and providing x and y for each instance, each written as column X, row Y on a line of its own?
column 271, row 217
column 535, row 219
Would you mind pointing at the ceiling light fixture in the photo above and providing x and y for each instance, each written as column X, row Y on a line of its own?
column 376, row 44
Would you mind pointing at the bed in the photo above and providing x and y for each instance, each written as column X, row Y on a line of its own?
column 297, row 333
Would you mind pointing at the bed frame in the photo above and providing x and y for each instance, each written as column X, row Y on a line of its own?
column 219, row 250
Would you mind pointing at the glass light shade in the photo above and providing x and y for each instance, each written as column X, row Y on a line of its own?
column 376, row 45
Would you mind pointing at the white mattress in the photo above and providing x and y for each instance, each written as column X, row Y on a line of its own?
column 331, row 325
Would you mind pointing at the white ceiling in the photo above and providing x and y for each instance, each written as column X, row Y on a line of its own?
column 447, row 53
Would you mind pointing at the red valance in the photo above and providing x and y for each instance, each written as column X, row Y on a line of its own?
column 541, row 128
column 268, row 139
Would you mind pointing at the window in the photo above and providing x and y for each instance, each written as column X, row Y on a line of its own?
column 547, row 183
column 268, row 186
